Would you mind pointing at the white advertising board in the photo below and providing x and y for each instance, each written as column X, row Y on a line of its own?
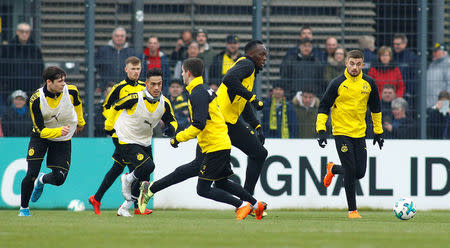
column 292, row 175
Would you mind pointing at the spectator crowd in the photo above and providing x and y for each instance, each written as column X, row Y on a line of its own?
column 291, row 106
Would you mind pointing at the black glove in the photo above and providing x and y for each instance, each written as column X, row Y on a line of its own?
column 378, row 138
column 174, row 142
column 257, row 104
column 110, row 132
column 169, row 130
column 260, row 135
column 322, row 138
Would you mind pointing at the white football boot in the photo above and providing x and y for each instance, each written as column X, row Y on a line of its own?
column 123, row 212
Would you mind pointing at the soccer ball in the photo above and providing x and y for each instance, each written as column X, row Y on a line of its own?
column 404, row 208
column 76, row 205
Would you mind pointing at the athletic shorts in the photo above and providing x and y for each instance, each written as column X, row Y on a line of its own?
column 216, row 166
column 58, row 152
column 133, row 155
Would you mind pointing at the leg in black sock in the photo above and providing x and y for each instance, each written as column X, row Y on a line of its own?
column 108, row 180
column 34, row 166
column 180, row 174
column 204, row 189
column 337, row 169
column 346, row 152
column 245, row 139
column 235, row 189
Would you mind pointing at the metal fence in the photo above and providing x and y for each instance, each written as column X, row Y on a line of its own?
column 306, row 40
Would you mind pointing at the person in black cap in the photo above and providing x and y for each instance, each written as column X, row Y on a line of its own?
column 223, row 61
column 279, row 119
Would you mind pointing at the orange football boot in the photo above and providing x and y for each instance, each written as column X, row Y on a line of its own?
column 329, row 176
column 354, row 215
column 260, row 210
column 146, row 212
column 96, row 204
column 243, row 212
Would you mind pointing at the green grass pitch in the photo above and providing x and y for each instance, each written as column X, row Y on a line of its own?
column 196, row 228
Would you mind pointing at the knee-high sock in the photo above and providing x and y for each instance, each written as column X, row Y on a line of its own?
column 108, row 180
column 235, row 189
column 204, row 189
column 34, row 166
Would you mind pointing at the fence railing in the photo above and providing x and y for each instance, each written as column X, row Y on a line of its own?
column 306, row 42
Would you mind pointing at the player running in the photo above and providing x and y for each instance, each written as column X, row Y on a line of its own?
column 131, row 84
column 348, row 97
column 208, row 126
column 132, row 119
column 57, row 113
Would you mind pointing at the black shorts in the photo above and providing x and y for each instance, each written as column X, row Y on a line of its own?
column 216, row 166
column 132, row 155
column 116, row 155
column 58, row 152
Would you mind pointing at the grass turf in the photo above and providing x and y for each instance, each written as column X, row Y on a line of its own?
column 196, row 228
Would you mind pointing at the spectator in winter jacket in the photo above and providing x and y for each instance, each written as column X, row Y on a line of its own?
column 407, row 62
column 179, row 103
column 21, row 64
column 331, row 44
column 180, row 51
column 16, row 121
column 367, row 46
column 438, row 74
column 438, row 120
column 301, row 70
column 385, row 72
column 223, row 61
column 279, row 119
column 155, row 58
column 336, row 64
column 306, row 105
column 206, row 52
column 307, row 33
column 110, row 59
column 402, row 126
column 387, row 96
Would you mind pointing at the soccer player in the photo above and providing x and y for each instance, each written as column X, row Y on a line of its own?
column 243, row 137
column 208, row 126
column 130, row 84
column 132, row 119
column 348, row 97
column 57, row 113
column 235, row 99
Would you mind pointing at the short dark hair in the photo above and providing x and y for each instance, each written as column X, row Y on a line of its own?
column 53, row 73
column 251, row 45
column 176, row 81
column 304, row 27
column 388, row 86
column 153, row 72
column 401, row 36
column 194, row 65
column 133, row 60
column 443, row 95
column 355, row 54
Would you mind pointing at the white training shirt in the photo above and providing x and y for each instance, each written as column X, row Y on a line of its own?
column 137, row 128
column 64, row 114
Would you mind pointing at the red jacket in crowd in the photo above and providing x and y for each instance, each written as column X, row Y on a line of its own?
column 388, row 75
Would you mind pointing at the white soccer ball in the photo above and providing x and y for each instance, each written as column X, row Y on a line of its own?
column 76, row 205
column 404, row 208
